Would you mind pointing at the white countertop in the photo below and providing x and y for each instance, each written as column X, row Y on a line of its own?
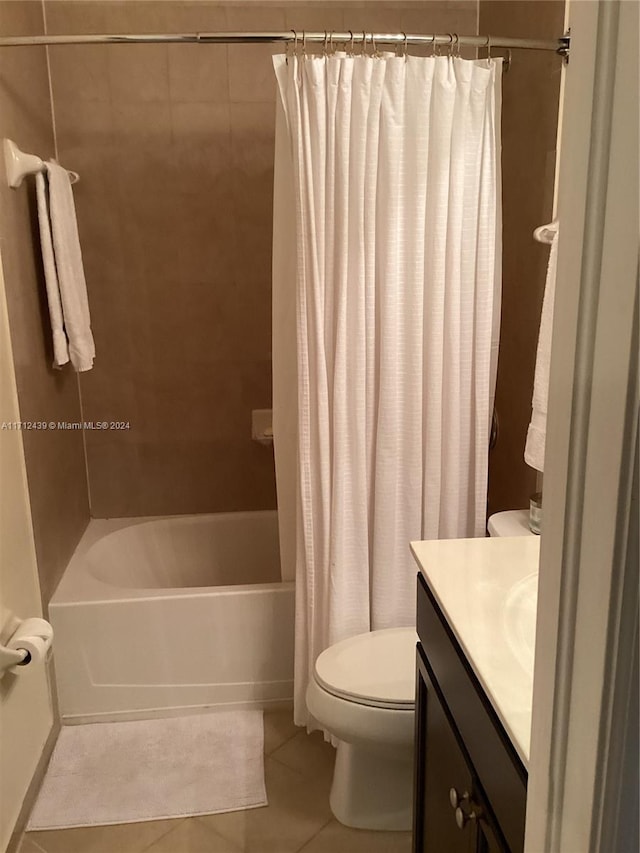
column 487, row 590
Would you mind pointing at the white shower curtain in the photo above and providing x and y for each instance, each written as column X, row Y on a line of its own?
column 387, row 247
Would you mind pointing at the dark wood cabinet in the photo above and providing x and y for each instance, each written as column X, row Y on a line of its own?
column 442, row 769
column 470, row 785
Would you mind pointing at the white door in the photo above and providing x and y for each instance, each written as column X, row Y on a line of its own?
column 583, row 773
column 26, row 715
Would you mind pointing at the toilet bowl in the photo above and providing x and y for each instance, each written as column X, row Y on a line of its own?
column 363, row 692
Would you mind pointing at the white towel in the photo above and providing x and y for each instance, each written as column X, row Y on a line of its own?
column 60, row 344
column 537, row 432
column 70, row 272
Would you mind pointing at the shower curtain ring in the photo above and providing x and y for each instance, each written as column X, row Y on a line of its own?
column 434, row 45
column 456, row 50
column 450, row 45
column 332, row 48
column 405, row 49
column 304, row 42
column 364, row 43
column 488, row 47
column 351, row 49
column 506, row 62
column 325, row 43
column 374, row 49
column 295, row 41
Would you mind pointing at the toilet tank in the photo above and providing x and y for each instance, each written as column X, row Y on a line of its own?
column 514, row 522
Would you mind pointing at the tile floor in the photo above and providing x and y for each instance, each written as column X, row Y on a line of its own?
column 298, row 770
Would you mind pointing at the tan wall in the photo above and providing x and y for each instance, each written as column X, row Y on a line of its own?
column 55, row 459
column 26, row 712
column 530, row 95
column 175, row 148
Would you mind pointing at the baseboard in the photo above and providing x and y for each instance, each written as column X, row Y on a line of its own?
column 34, row 788
column 175, row 711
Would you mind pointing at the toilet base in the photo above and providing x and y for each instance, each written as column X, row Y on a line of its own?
column 373, row 789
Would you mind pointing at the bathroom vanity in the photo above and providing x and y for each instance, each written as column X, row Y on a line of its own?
column 476, row 628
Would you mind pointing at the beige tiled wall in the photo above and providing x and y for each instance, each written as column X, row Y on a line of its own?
column 175, row 148
column 54, row 459
column 530, row 95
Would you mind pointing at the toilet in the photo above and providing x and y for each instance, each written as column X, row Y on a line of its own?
column 363, row 692
column 512, row 522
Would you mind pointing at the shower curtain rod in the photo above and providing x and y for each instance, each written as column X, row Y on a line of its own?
column 560, row 45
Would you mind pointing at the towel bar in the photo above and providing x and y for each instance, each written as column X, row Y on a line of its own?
column 19, row 165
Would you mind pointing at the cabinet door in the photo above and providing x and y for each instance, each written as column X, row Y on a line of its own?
column 487, row 841
column 498, row 773
column 440, row 767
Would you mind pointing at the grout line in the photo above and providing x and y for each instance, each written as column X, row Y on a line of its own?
column 84, row 444
column 276, row 748
column 214, row 832
column 57, row 157
column 302, row 774
column 220, row 833
column 49, row 81
column 315, row 835
column 171, row 829
column 170, row 104
column 284, row 764
column 32, row 841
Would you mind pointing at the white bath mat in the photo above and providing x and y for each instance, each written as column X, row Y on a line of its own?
column 152, row 769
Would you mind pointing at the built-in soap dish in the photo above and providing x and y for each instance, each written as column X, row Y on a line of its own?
column 262, row 426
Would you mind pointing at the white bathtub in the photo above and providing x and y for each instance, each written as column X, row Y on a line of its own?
column 156, row 616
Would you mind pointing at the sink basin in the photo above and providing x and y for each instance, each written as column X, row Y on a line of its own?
column 519, row 619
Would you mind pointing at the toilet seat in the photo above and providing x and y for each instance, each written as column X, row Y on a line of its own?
column 375, row 669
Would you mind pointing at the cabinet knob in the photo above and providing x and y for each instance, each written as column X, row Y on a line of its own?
column 463, row 817
column 457, row 799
